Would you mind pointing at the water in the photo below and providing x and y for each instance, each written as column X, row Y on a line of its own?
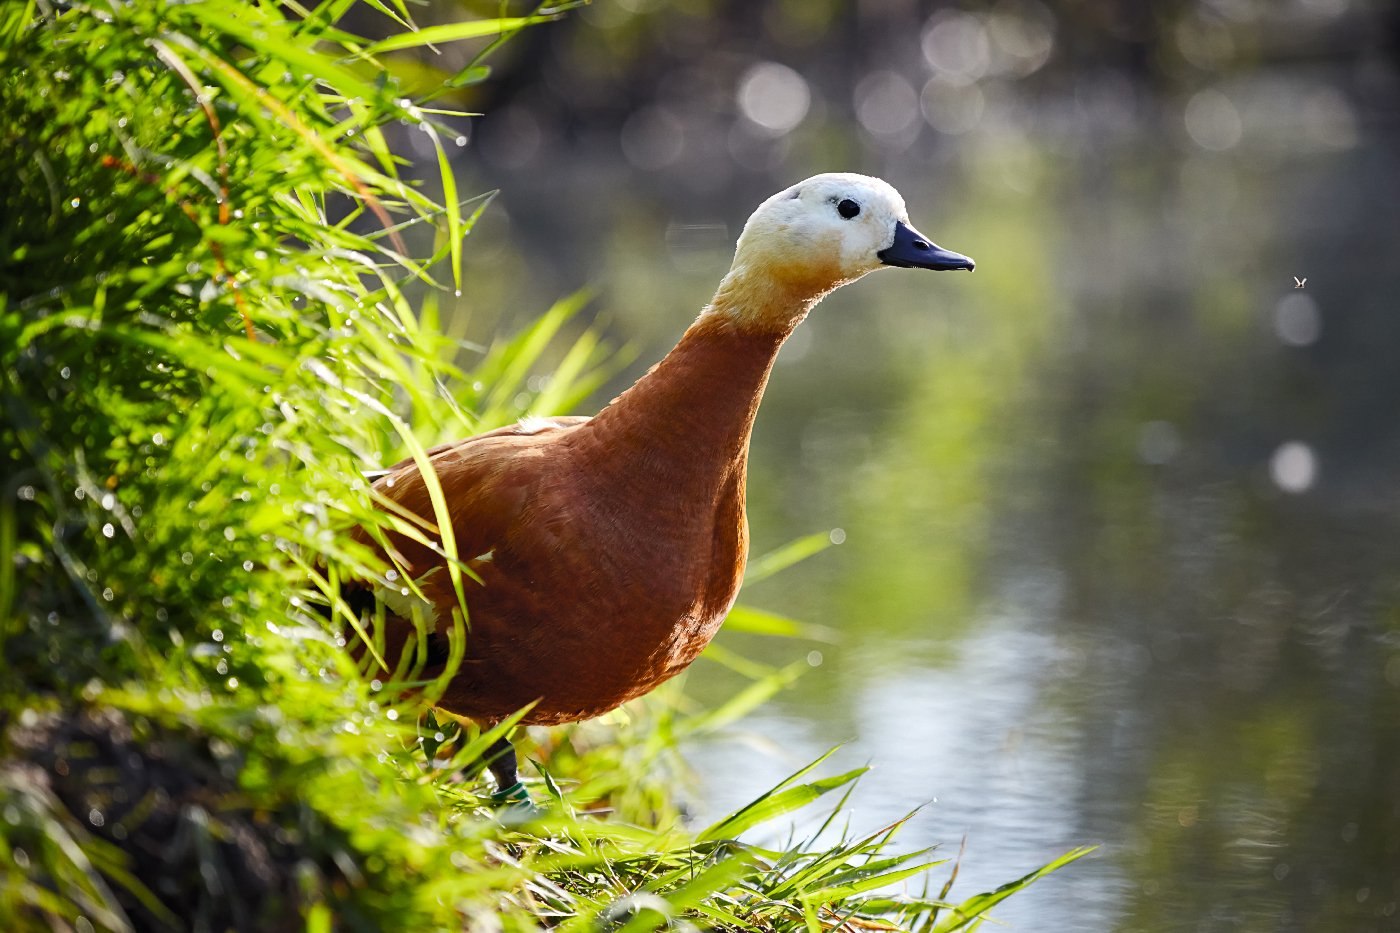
column 1120, row 508
column 1119, row 566
column 1140, row 593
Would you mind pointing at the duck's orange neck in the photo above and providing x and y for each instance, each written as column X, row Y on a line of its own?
column 696, row 407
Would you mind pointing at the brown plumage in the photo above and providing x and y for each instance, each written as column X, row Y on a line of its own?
column 609, row 549
column 616, row 543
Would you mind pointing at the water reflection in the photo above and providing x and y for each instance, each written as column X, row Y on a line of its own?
column 1120, row 508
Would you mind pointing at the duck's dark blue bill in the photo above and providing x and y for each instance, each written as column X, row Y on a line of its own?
column 912, row 250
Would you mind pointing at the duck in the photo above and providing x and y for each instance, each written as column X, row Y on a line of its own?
column 605, row 551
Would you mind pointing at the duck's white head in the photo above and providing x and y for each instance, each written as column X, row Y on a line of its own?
column 820, row 234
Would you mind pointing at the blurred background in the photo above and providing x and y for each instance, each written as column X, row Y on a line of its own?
column 1118, row 512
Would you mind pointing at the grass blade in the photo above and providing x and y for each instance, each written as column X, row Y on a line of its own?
column 784, row 557
column 455, row 32
column 776, row 803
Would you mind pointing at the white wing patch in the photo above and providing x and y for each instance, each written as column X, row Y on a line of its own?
column 533, row 424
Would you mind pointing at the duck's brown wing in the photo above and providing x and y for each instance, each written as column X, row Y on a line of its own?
column 487, row 480
column 523, row 427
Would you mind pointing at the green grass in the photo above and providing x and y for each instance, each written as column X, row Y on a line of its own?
column 218, row 303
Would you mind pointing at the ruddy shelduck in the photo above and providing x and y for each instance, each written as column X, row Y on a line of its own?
column 607, row 551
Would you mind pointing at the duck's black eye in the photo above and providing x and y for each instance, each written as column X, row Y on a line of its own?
column 848, row 208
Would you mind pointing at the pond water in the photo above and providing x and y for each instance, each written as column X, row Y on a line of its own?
column 1123, row 576
column 1119, row 510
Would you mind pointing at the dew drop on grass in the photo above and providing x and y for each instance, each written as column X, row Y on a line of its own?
column 460, row 141
column 108, row 531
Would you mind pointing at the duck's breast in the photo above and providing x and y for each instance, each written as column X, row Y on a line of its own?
column 606, row 596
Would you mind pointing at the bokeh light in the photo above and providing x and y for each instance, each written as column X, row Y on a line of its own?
column 1296, row 320
column 1023, row 36
column 774, row 97
column 951, row 108
column 955, row 46
column 1293, row 467
column 886, row 104
column 1158, row 442
column 1213, row 121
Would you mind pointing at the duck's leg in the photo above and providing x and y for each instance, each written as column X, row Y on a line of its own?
column 501, row 761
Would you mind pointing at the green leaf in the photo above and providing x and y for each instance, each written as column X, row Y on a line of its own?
column 779, row 801
column 745, row 701
column 472, row 74
column 456, row 232
column 784, row 557
column 753, row 621
column 869, row 880
column 270, row 36
column 976, row 906
column 454, row 32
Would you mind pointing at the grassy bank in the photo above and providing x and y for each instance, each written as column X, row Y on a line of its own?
column 218, row 303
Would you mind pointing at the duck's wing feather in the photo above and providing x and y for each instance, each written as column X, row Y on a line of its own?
column 523, row 427
column 487, row 479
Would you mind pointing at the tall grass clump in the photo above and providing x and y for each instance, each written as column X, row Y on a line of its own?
column 217, row 306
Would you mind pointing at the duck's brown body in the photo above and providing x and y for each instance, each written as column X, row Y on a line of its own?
column 609, row 549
